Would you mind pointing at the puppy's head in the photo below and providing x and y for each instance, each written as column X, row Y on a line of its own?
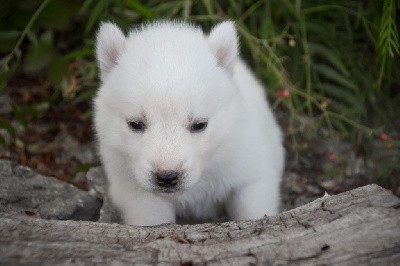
column 167, row 101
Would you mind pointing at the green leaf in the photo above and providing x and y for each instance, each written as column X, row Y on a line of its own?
column 38, row 57
column 209, row 7
column 19, row 115
column 8, row 127
column 388, row 42
column 267, row 26
column 9, row 35
column 31, row 109
column 57, row 69
column 85, row 6
column 331, row 74
column 330, row 56
column 87, row 94
column 340, row 127
column 96, row 15
column 140, row 8
column 343, row 95
column 7, row 72
column 80, row 53
column 8, row 39
column 83, row 168
column 57, row 14
column 87, row 115
column 3, row 80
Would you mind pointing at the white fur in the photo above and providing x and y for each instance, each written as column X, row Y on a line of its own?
column 170, row 74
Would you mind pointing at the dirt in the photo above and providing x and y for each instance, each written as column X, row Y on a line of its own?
column 55, row 140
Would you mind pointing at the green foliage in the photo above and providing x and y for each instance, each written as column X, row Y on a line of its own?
column 388, row 41
column 324, row 53
column 8, row 127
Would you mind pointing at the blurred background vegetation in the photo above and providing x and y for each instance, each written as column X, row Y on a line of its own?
column 327, row 64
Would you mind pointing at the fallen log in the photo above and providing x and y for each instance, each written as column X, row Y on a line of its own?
column 361, row 226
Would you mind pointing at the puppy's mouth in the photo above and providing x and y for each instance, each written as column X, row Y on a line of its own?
column 167, row 190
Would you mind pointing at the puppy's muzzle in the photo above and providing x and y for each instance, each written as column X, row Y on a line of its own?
column 167, row 179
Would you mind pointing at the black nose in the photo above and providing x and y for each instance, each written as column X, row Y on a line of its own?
column 167, row 178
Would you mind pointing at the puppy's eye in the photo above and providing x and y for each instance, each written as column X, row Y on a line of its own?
column 197, row 127
column 138, row 126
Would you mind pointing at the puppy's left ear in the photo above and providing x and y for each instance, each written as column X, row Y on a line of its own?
column 110, row 43
column 223, row 42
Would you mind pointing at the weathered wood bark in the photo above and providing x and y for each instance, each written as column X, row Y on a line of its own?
column 361, row 226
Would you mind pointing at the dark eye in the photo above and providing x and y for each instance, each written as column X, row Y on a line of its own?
column 138, row 126
column 198, row 126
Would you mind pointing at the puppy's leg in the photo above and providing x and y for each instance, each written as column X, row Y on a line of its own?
column 142, row 208
column 253, row 201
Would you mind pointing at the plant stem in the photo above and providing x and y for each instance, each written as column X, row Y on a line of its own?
column 307, row 57
column 24, row 33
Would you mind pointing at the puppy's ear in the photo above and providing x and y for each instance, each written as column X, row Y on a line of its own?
column 110, row 43
column 223, row 42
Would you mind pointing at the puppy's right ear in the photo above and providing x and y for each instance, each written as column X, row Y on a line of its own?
column 223, row 41
column 110, row 43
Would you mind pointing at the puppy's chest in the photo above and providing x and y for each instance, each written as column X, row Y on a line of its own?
column 204, row 203
column 201, row 212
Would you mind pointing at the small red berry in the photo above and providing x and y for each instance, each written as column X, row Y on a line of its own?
column 383, row 137
column 284, row 93
column 331, row 157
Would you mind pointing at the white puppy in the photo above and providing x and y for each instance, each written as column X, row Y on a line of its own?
column 183, row 125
